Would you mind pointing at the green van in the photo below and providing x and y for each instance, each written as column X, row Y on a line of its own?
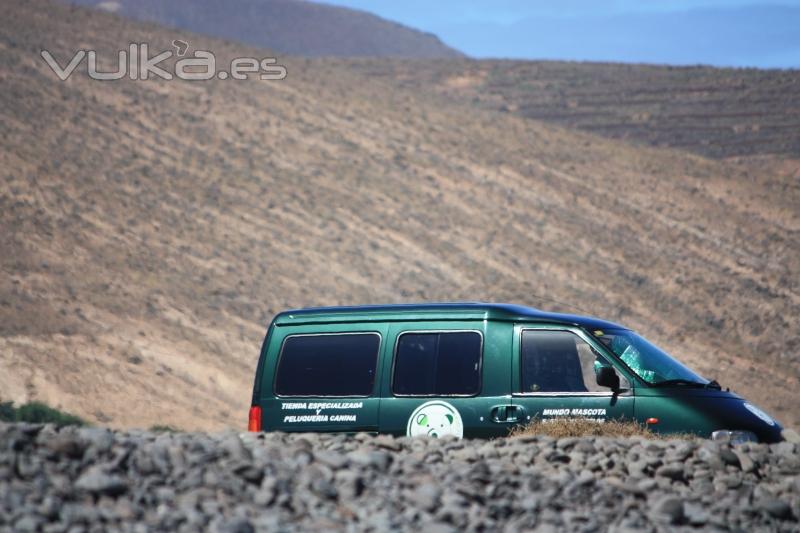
column 478, row 370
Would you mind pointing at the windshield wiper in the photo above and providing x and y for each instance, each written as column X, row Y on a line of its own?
column 682, row 382
column 713, row 384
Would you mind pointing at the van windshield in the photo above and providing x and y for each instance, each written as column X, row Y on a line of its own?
column 647, row 360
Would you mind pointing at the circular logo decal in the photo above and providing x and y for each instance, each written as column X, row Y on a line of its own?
column 759, row 413
column 435, row 419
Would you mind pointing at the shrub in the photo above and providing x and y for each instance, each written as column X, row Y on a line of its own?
column 584, row 427
column 7, row 412
column 37, row 413
column 160, row 428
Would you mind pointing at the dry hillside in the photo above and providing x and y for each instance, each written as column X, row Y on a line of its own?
column 149, row 230
column 716, row 112
column 296, row 27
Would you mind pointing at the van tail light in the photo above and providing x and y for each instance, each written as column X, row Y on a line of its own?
column 254, row 421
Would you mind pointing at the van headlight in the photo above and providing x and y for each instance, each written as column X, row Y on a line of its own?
column 759, row 413
column 734, row 437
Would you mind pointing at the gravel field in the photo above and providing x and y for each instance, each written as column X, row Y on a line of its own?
column 76, row 479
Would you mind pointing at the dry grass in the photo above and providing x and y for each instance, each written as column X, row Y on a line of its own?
column 585, row 427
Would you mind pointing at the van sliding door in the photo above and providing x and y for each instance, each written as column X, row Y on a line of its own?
column 446, row 378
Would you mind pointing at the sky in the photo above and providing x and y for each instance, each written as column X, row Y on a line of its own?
column 740, row 33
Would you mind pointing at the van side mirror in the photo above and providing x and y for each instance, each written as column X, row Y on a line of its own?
column 607, row 377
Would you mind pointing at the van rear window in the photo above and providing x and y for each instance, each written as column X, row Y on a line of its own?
column 328, row 365
column 438, row 364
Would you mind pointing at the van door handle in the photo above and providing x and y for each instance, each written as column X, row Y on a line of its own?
column 515, row 413
column 507, row 413
column 499, row 413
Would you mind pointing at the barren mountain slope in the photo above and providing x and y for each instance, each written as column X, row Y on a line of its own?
column 716, row 112
column 296, row 27
column 151, row 229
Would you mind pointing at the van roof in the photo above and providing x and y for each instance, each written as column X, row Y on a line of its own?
column 435, row 311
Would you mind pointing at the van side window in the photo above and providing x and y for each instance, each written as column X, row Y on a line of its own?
column 438, row 364
column 558, row 361
column 328, row 365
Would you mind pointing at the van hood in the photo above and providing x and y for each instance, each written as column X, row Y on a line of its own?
column 715, row 410
column 687, row 392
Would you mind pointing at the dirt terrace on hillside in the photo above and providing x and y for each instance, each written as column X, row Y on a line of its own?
column 714, row 112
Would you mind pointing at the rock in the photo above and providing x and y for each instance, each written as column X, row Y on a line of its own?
column 324, row 488
column 585, row 446
column 776, row 508
column 28, row 522
column 695, row 514
column 331, row 459
column 425, row 496
column 434, row 456
column 235, row 448
column 669, row 509
column 728, row 457
column 303, row 457
column 388, row 442
column 786, row 448
column 466, row 454
column 555, row 456
column 49, row 507
column 671, row 471
column 98, row 482
column 791, row 436
column 376, row 459
column 438, row 527
column 350, row 484
column 709, row 453
column 99, row 439
column 67, row 445
column 249, row 473
column 567, row 443
column 637, row 468
column 165, row 494
column 237, row 525
column 264, row 497
column 747, row 465
column 380, row 521
column 682, row 451
column 646, row 485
